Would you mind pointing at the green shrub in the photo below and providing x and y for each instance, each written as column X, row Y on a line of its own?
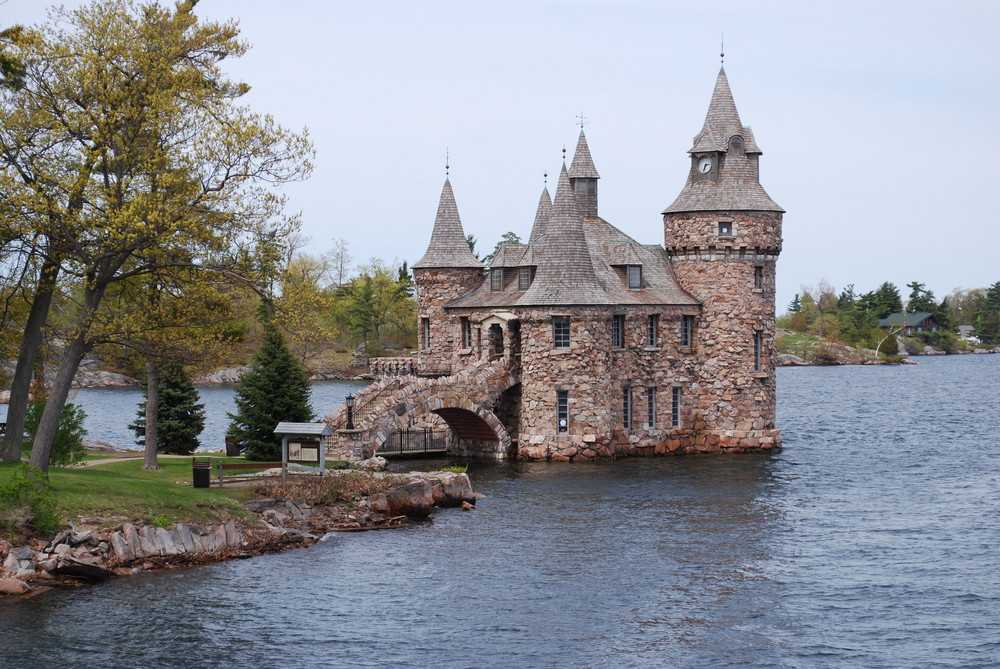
column 457, row 469
column 67, row 446
column 27, row 502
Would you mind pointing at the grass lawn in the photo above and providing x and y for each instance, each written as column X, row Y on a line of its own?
column 123, row 491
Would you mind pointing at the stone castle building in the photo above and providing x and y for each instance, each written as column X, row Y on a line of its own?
column 584, row 344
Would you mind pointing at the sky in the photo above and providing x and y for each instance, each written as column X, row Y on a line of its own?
column 875, row 118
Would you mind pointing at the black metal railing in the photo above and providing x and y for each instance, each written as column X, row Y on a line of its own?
column 410, row 442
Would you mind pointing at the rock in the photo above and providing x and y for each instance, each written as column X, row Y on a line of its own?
column 789, row 360
column 96, row 445
column 22, row 553
column 453, row 490
column 415, row 499
column 374, row 464
column 13, row 586
column 68, row 565
column 230, row 375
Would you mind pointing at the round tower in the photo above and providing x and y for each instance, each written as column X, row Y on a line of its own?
column 723, row 237
column 447, row 271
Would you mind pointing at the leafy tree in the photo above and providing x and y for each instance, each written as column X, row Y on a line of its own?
column 67, row 446
column 275, row 389
column 11, row 69
column 123, row 152
column 180, row 416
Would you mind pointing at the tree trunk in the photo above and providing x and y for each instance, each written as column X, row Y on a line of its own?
column 41, row 449
column 152, row 414
column 20, row 386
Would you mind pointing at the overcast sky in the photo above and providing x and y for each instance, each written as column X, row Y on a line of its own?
column 875, row 118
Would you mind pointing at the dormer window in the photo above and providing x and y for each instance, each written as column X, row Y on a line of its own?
column 725, row 228
column 634, row 276
column 523, row 278
column 496, row 279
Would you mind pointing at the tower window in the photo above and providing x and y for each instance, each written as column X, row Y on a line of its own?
column 523, row 278
column 687, row 331
column 562, row 411
column 758, row 277
column 757, row 342
column 618, row 331
column 652, row 329
column 650, row 408
column 675, row 408
column 634, row 276
column 496, row 279
column 425, row 328
column 560, row 332
column 466, row 333
column 627, row 409
column 725, row 228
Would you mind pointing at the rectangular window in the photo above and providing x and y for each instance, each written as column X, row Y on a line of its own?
column 466, row 333
column 562, row 410
column 523, row 278
column 560, row 332
column 651, row 408
column 675, row 408
column 627, row 409
column 496, row 279
column 757, row 340
column 687, row 329
column 617, row 330
column 725, row 229
column 652, row 330
column 758, row 277
column 634, row 276
column 425, row 329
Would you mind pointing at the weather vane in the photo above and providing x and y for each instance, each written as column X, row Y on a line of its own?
column 446, row 161
column 545, row 178
column 582, row 121
column 564, row 154
column 722, row 50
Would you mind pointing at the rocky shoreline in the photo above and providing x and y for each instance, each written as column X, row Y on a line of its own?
column 100, row 553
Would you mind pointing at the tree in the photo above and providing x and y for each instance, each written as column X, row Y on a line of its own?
column 470, row 239
column 67, row 446
column 827, row 301
column 340, row 259
column 11, row 69
column 505, row 239
column 987, row 318
column 180, row 416
column 124, row 152
column 275, row 389
column 884, row 301
column 921, row 300
column 795, row 306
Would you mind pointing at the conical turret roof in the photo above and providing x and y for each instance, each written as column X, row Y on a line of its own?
column 583, row 164
column 542, row 215
column 737, row 187
column 448, row 246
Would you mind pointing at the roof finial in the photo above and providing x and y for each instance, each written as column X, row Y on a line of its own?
column 564, row 153
column 446, row 161
column 582, row 121
column 722, row 50
column 545, row 178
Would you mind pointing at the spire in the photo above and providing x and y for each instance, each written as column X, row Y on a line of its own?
column 583, row 164
column 448, row 247
column 567, row 276
column 542, row 215
column 722, row 121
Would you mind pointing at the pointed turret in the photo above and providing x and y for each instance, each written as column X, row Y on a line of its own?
column 542, row 215
column 724, row 162
column 448, row 246
column 567, row 276
column 583, row 176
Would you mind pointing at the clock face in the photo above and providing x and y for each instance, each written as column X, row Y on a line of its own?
column 704, row 164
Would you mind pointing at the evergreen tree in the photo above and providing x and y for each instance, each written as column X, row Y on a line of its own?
column 921, row 300
column 275, row 389
column 181, row 416
column 795, row 306
column 987, row 317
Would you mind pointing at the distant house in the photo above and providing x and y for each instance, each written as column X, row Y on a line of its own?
column 965, row 333
column 911, row 323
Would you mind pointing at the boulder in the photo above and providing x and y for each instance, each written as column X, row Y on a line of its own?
column 453, row 490
column 414, row 499
column 68, row 565
column 373, row 464
column 13, row 586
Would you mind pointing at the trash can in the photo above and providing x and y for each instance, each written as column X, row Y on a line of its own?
column 202, row 472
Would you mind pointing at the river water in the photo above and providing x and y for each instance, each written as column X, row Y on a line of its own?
column 869, row 541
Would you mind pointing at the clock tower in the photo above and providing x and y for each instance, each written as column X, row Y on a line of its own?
column 723, row 236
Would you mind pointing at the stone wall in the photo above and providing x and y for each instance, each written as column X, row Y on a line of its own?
column 435, row 288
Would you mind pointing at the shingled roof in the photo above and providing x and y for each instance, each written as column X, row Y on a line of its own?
column 448, row 247
column 542, row 215
column 738, row 187
column 583, row 165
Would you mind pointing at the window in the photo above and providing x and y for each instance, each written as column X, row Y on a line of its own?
column 650, row 408
column 617, row 330
column 652, row 329
column 687, row 330
column 496, row 279
column 466, row 333
column 726, row 229
column 562, row 411
column 675, row 408
column 634, row 276
column 757, row 338
column 758, row 277
column 627, row 409
column 425, row 328
column 523, row 278
column 560, row 332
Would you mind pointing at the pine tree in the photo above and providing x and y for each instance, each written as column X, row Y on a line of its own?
column 275, row 389
column 181, row 416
